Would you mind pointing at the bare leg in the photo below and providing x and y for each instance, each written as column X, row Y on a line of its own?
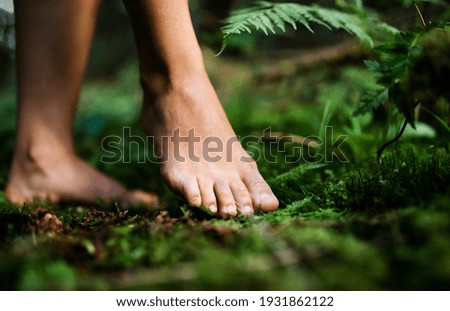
column 179, row 96
column 53, row 41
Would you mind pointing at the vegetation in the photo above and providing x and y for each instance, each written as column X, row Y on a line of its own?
column 346, row 222
column 397, row 52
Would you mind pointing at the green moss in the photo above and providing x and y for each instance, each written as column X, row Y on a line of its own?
column 343, row 226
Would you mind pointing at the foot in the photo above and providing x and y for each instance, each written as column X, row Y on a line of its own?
column 53, row 176
column 212, row 169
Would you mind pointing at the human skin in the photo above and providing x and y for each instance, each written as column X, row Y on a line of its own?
column 53, row 41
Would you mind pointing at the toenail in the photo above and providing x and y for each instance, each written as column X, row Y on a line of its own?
column 213, row 208
column 247, row 209
column 195, row 201
column 229, row 209
column 265, row 197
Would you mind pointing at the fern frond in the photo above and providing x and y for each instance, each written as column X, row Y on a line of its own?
column 371, row 100
column 271, row 17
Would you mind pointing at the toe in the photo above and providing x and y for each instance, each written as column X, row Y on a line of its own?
column 139, row 197
column 191, row 192
column 184, row 184
column 242, row 198
column 225, row 198
column 208, row 195
column 53, row 198
column 22, row 197
column 15, row 197
column 260, row 192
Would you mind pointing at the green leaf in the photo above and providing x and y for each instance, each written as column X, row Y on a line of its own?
column 404, row 101
column 421, row 130
column 274, row 17
column 296, row 172
column 372, row 100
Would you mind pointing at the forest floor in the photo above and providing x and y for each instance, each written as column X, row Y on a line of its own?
column 345, row 221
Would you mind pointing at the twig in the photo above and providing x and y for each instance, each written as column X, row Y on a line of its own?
column 296, row 139
column 381, row 149
column 420, row 14
column 307, row 60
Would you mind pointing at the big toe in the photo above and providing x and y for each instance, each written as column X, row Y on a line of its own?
column 15, row 197
column 140, row 197
column 268, row 202
column 260, row 192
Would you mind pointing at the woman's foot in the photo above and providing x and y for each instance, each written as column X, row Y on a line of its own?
column 49, row 175
column 201, row 158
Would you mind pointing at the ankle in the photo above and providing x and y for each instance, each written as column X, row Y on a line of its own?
column 158, row 84
column 40, row 157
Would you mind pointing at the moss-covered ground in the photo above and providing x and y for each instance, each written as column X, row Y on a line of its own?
column 345, row 222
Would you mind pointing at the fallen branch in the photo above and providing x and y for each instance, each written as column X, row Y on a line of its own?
column 288, row 137
column 307, row 60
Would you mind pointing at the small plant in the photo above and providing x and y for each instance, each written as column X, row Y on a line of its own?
column 274, row 17
column 395, row 52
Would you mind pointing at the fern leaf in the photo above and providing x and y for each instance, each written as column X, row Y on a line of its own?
column 268, row 24
column 285, row 18
column 297, row 172
column 372, row 100
column 348, row 22
column 271, row 17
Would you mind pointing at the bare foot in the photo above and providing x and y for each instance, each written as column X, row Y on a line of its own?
column 53, row 176
column 227, row 180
